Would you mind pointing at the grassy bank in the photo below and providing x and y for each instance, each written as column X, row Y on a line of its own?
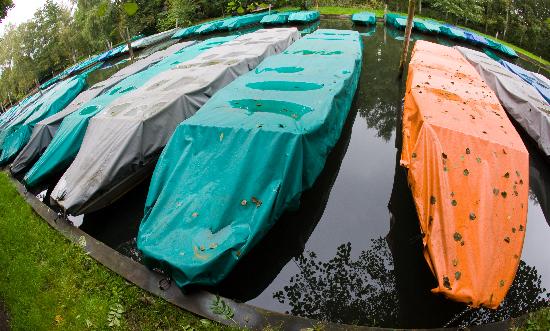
column 380, row 13
column 47, row 282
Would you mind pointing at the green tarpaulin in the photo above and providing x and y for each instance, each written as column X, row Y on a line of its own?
column 304, row 16
column 279, row 18
column 49, row 104
column 501, row 48
column 364, row 18
column 390, row 18
column 426, row 26
column 229, row 172
column 68, row 138
column 452, row 32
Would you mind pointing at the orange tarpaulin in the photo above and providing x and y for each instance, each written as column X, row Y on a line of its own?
column 468, row 172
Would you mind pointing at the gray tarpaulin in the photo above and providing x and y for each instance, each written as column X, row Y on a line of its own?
column 44, row 131
column 123, row 142
column 519, row 99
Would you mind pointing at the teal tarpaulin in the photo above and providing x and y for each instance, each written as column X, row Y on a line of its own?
column 229, row 172
column 279, row 18
column 365, row 18
column 68, row 138
column 304, row 16
column 49, row 104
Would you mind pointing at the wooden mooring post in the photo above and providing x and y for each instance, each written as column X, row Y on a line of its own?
column 408, row 30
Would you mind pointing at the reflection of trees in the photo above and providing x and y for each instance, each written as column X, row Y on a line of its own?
column 525, row 295
column 380, row 92
column 344, row 289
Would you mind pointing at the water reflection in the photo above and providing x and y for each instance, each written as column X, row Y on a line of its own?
column 343, row 289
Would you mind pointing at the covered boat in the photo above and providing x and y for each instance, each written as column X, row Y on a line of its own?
column 520, row 100
column 123, row 142
column 230, row 171
column 475, row 39
column 277, row 18
column 400, row 23
column 238, row 22
column 364, row 18
column 539, row 82
column 67, row 140
column 452, row 32
column 468, row 170
column 52, row 102
column 306, row 16
column 426, row 26
column 391, row 17
column 501, row 47
column 45, row 130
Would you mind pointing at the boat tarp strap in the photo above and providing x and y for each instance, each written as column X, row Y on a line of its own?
column 230, row 171
column 468, row 170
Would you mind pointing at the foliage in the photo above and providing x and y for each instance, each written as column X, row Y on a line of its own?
column 220, row 307
column 238, row 7
column 5, row 5
column 47, row 281
column 181, row 12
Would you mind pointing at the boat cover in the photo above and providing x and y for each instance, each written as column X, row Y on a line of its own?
column 304, row 16
column 426, row 26
column 230, row 171
column 540, row 84
column 519, row 99
column 475, row 39
column 151, row 40
column 17, row 110
column 469, row 175
column 237, row 22
column 278, row 18
column 68, row 138
column 390, row 18
column 125, row 139
column 501, row 47
column 45, row 130
column 452, row 32
column 49, row 104
column 400, row 23
column 364, row 18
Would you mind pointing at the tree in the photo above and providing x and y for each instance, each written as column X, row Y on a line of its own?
column 5, row 5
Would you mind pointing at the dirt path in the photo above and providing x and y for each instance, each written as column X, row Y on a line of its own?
column 4, row 326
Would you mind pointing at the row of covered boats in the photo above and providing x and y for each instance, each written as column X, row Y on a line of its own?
column 237, row 127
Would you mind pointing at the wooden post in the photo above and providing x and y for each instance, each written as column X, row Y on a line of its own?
column 407, row 37
column 177, row 23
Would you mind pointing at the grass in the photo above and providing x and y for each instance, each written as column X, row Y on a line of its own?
column 47, row 282
column 537, row 321
column 380, row 13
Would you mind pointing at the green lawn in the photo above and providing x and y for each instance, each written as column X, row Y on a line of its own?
column 47, row 282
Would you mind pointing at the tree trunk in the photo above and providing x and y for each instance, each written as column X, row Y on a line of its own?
column 507, row 18
column 420, row 6
column 407, row 37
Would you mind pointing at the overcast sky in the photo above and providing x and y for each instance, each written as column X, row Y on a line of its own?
column 24, row 11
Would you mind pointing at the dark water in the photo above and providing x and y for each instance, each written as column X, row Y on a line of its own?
column 352, row 252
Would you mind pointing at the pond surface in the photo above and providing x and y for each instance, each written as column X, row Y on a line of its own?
column 352, row 252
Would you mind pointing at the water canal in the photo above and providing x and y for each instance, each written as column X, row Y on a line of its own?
column 352, row 252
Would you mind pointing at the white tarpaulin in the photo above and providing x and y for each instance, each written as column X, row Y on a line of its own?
column 123, row 142
column 519, row 99
column 44, row 131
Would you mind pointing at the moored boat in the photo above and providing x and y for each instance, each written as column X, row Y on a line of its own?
column 123, row 142
column 68, row 138
column 468, row 170
column 230, row 171
column 364, row 18
column 302, row 17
